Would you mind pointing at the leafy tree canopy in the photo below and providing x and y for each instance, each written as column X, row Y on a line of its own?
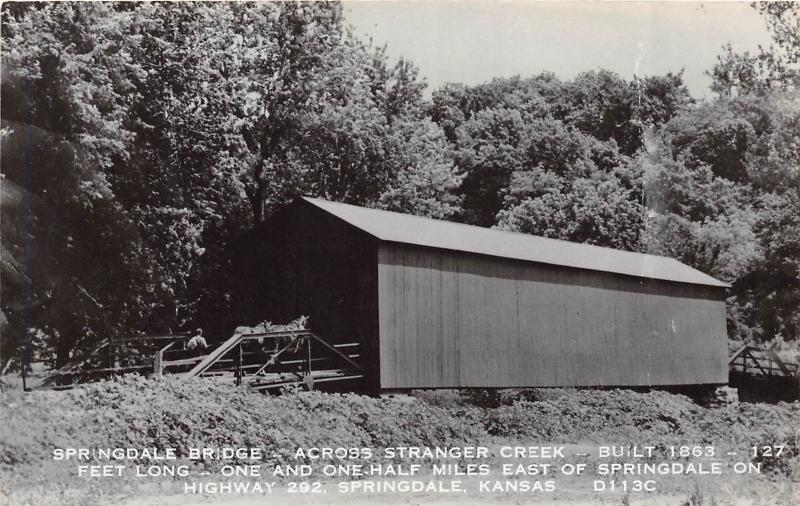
column 141, row 139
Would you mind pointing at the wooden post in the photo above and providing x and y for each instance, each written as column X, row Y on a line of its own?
column 158, row 371
column 308, row 340
column 158, row 360
column 25, row 365
column 239, row 366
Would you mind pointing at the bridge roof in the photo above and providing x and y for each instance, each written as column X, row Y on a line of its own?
column 419, row 231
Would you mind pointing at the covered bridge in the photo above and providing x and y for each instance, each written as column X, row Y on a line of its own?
column 436, row 304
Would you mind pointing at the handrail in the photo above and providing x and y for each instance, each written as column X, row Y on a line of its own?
column 154, row 337
column 275, row 333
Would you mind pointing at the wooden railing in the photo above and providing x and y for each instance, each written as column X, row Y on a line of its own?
column 140, row 354
column 272, row 359
column 761, row 362
column 258, row 360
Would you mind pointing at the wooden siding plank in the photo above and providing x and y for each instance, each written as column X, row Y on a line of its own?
column 386, row 313
column 448, row 316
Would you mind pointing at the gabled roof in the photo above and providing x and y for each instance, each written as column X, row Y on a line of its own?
column 409, row 229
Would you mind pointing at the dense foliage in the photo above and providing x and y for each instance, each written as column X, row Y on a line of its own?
column 140, row 140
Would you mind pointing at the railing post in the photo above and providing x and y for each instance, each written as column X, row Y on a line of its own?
column 158, row 370
column 239, row 366
column 158, row 360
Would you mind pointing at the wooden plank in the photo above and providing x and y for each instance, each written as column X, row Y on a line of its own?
column 160, row 337
column 299, row 361
column 448, row 317
column 386, row 314
column 183, row 361
column 316, row 380
column 120, row 369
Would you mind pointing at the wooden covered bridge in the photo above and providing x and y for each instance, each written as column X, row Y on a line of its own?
column 434, row 304
column 401, row 302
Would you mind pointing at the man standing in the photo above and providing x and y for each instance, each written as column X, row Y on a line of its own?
column 197, row 343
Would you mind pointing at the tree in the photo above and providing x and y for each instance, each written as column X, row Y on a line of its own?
column 757, row 117
column 714, row 135
column 602, row 106
column 737, row 74
column 574, row 129
column 776, row 67
column 659, row 99
column 773, row 159
column 490, row 147
column 163, row 131
column 66, row 84
column 592, row 212
column 776, row 281
column 782, row 59
column 426, row 182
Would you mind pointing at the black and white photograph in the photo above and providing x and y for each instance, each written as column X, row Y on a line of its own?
column 400, row 252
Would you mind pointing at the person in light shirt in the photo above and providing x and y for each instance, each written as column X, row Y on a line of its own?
column 197, row 343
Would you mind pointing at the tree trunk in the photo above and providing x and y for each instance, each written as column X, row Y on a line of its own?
column 255, row 194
